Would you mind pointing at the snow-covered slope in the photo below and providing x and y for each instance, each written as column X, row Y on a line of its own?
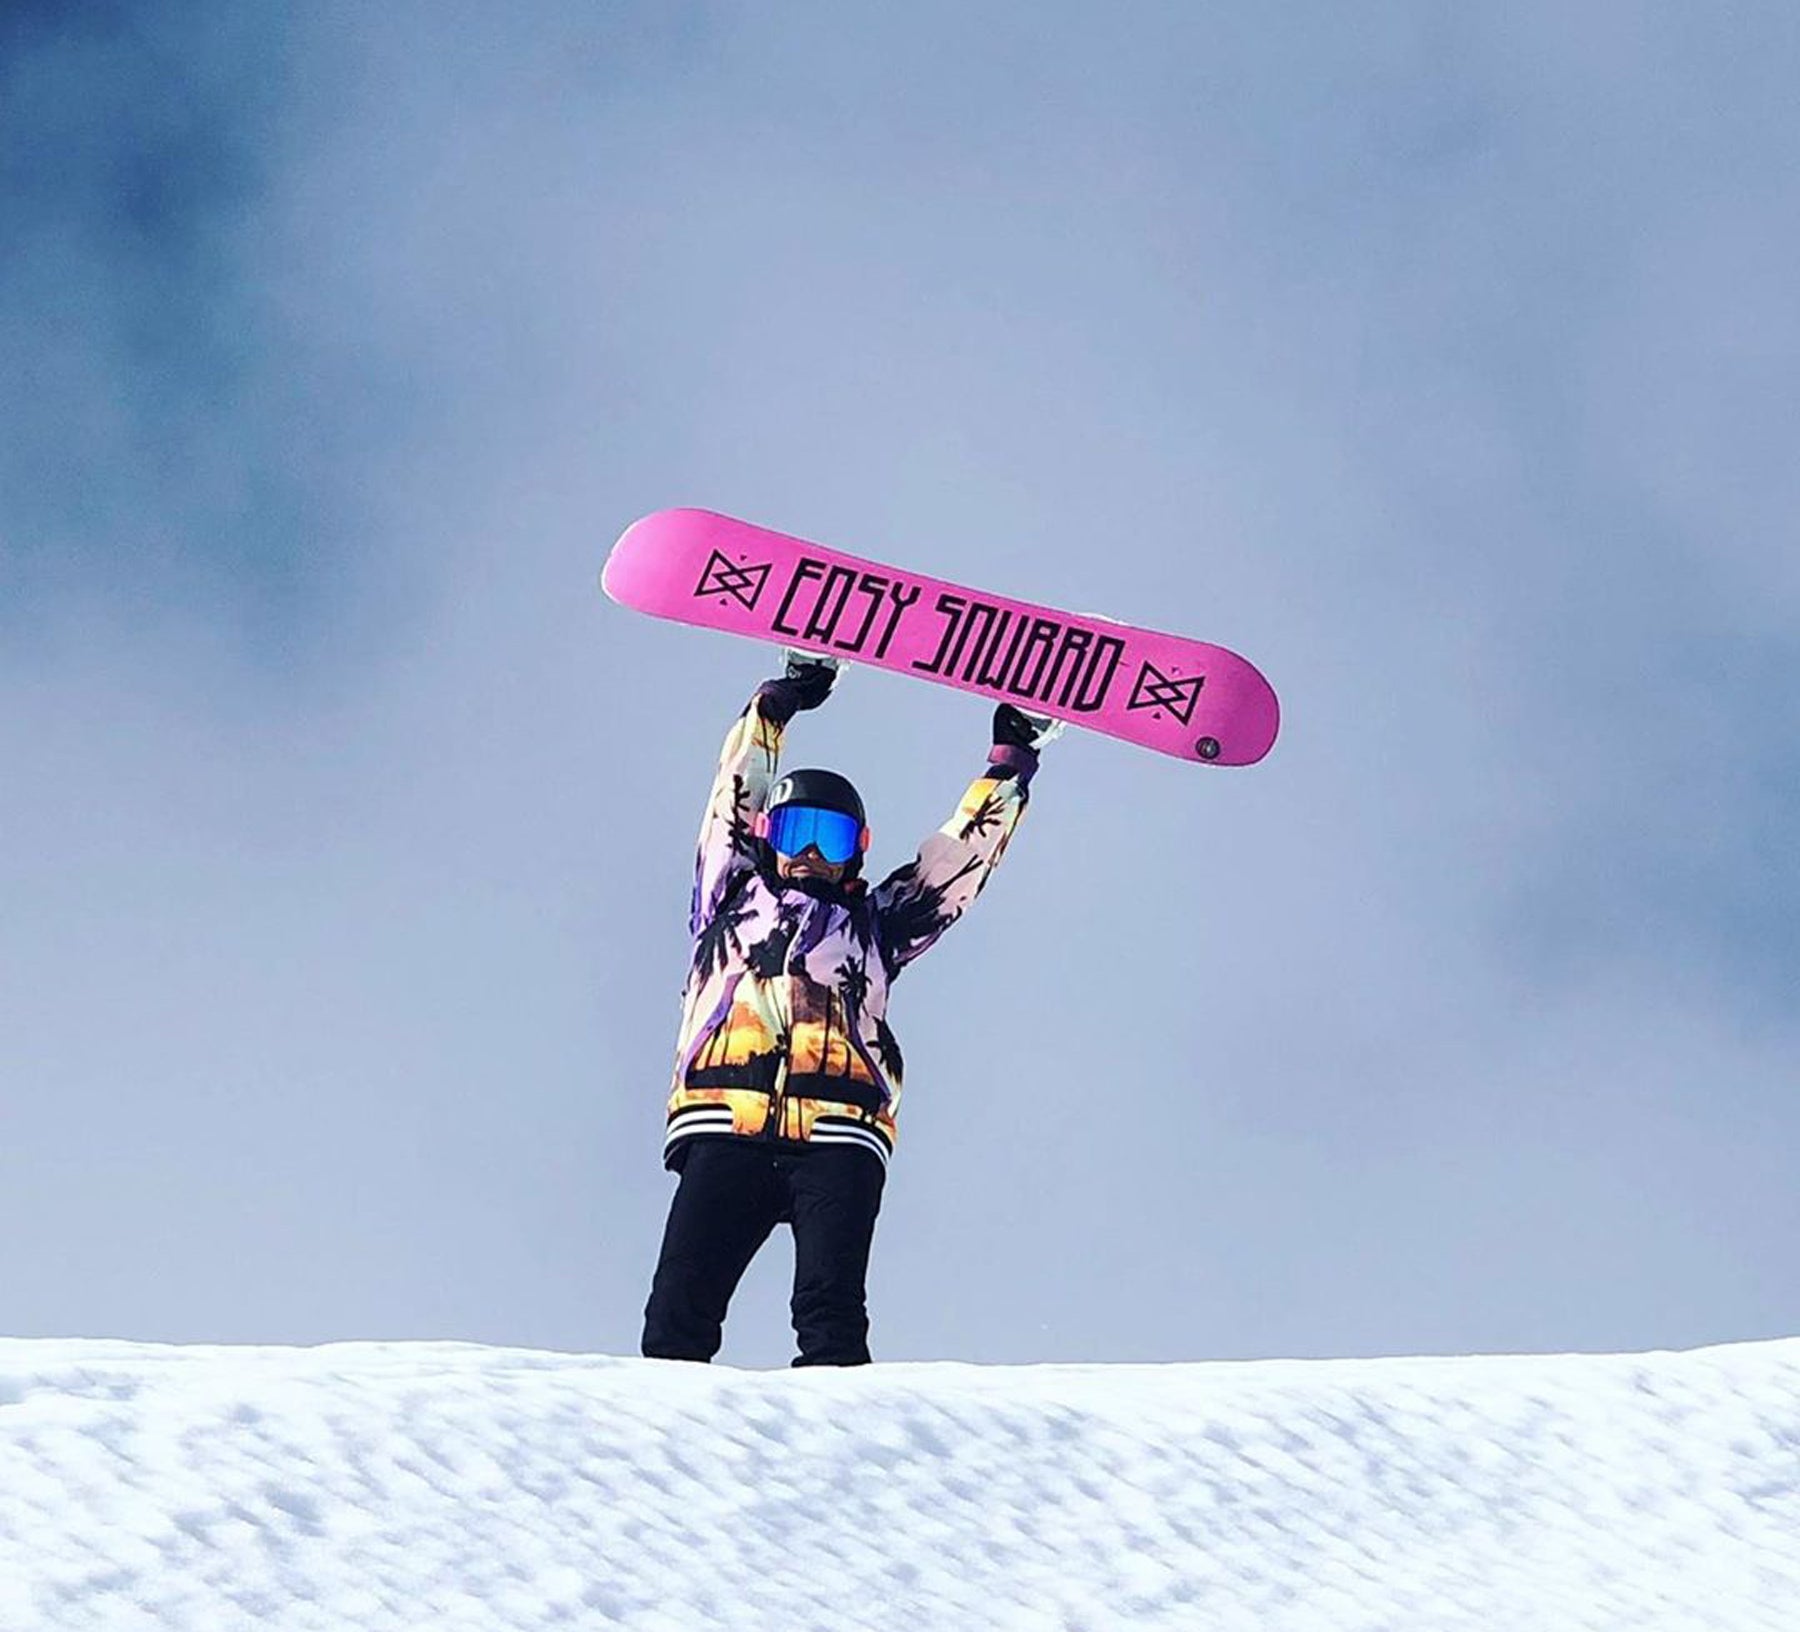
column 371, row 1486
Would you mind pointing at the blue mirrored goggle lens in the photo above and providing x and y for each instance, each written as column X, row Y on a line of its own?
column 793, row 827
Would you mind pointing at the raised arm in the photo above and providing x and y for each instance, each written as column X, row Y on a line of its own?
column 916, row 903
column 747, row 763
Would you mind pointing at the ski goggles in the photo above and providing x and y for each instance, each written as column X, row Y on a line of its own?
column 791, row 828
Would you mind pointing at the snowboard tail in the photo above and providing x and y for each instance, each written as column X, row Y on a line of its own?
column 1177, row 696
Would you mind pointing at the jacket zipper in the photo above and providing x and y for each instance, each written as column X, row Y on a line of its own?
column 784, row 1042
column 778, row 1094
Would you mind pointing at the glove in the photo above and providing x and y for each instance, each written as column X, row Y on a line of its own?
column 806, row 684
column 1014, row 728
column 1017, row 738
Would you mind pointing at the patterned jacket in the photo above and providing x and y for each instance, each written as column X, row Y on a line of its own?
column 784, row 1031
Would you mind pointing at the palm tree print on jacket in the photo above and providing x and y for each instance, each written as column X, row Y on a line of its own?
column 784, row 1029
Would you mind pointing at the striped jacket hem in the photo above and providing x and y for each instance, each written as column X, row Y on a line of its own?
column 715, row 1121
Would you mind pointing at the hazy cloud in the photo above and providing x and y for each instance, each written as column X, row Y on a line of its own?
column 1438, row 362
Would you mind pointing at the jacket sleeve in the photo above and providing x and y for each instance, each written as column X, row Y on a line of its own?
column 727, row 847
column 916, row 903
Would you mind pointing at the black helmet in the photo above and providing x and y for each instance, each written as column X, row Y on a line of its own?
column 826, row 789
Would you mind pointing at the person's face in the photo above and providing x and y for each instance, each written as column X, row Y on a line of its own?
column 810, row 864
column 804, row 838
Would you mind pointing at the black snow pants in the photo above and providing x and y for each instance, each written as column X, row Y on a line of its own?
column 732, row 1194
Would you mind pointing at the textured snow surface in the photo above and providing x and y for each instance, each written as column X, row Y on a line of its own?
column 376, row 1486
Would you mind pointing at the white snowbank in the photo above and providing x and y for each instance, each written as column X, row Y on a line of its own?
column 371, row 1486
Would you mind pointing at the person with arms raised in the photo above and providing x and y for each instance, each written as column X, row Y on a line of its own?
column 787, row 1075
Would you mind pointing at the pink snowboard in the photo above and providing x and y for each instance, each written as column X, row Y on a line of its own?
column 1178, row 696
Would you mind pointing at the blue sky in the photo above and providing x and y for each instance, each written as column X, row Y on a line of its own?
column 1438, row 361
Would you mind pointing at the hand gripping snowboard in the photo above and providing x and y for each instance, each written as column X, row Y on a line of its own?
column 1178, row 696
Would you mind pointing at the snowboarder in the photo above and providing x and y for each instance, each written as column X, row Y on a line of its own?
column 787, row 1076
